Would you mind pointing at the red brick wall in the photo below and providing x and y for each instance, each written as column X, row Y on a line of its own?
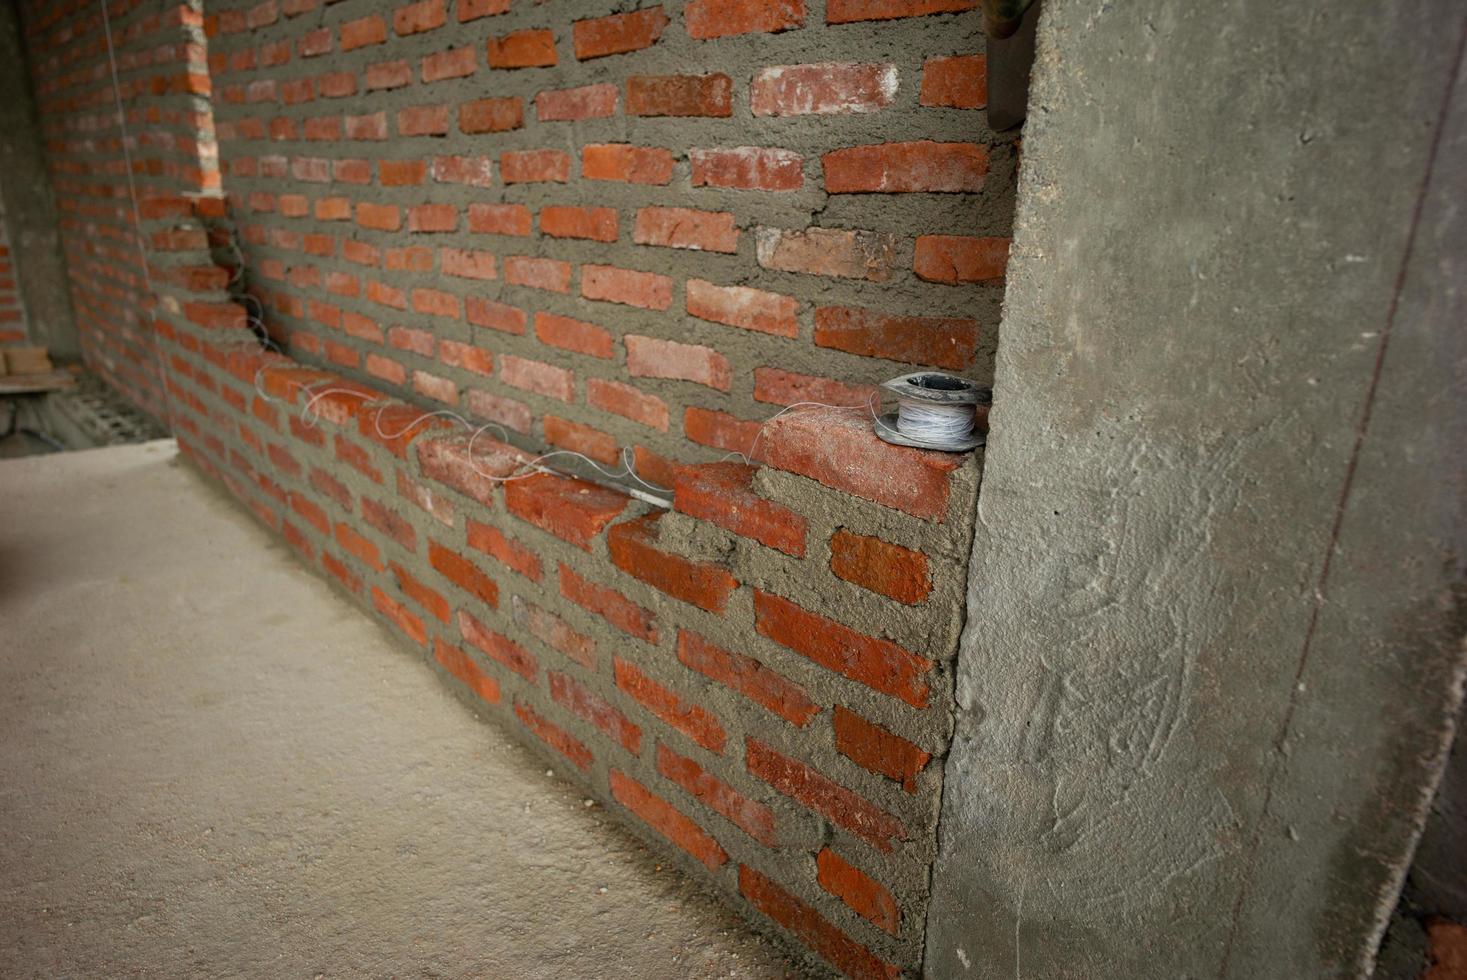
column 430, row 213
column 12, row 311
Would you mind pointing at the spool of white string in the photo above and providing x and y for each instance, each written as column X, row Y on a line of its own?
column 948, row 425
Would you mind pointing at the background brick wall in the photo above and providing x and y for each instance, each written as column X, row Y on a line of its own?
column 424, row 211
column 12, row 310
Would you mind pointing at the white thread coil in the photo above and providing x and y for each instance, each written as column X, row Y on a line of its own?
column 936, row 423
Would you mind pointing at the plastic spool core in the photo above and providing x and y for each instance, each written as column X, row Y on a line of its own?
column 938, row 390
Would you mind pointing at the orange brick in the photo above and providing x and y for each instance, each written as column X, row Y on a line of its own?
column 680, row 95
column 867, row 897
column 617, row 34
column 890, row 168
column 633, row 548
column 747, row 676
column 522, row 49
column 693, row 720
column 460, row 665
column 847, row 955
column 958, row 82
column 823, row 795
column 955, row 259
column 723, row 18
column 880, row 566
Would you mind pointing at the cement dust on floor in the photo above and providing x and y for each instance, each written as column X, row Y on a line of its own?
column 214, row 765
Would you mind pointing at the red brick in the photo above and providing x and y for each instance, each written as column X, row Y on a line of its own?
column 840, row 252
column 847, row 955
column 947, row 342
column 429, row 599
column 554, row 736
column 401, row 173
column 507, row 551
column 722, row 18
column 534, row 166
column 423, row 120
column 890, row 168
column 847, row 11
column 584, row 439
column 435, row 302
column 551, row 630
column 647, row 290
column 867, row 897
column 624, row 162
column 363, row 32
column 569, row 221
column 432, row 386
column 437, row 506
column 680, row 95
column 494, row 316
column 958, row 82
column 474, row 171
column 873, row 747
column 491, row 115
column 432, row 218
column 755, row 168
column 478, row 476
column 351, row 171
column 580, row 700
column 549, row 274
column 386, row 368
column 463, row 573
column 315, row 43
column 379, row 217
column 747, row 676
column 500, row 219
column 389, row 524
column 388, row 75
column 573, row 335
column 411, row 626
column 418, row 17
column 822, row 89
column 664, row 818
column 453, row 63
column 751, row 816
column 711, row 231
column 460, row 665
column 415, row 258
column 628, row 402
column 879, row 664
column 609, row 604
column 618, row 33
column 741, row 306
column 498, row 647
column 543, row 379
column 474, row 9
column 721, row 493
column 573, row 104
column 880, row 566
column 649, row 357
column 523, row 49
column 824, row 796
column 467, row 263
column 331, row 487
column 356, row 457
column 633, row 549
column 350, row 580
column 354, row 544
column 570, row 509
column 709, row 427
column 693, row 720
column 310, row 512
column 956, row 259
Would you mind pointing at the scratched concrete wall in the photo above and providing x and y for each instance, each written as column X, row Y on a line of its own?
column 1216, row 606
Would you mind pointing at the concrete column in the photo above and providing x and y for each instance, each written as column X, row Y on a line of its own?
column 1216, row 613
column 30, row 207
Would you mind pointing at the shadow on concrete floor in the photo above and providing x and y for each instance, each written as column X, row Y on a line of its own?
column 213, row 764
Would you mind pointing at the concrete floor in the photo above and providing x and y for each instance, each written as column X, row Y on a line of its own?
column 211, row 764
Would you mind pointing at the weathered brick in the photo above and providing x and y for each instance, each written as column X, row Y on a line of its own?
column 627, row 163
column 721, row 494
column 666, row 819
column 618, row 34
column 474, row 171
column 570, row 509
column 449, row 461
column 497, row 646
column 633, row 548
column 573, row 335
column 571, row 221
column 956, row 259
column 389, row 523
column 847, row 11
column 467, row 263
column 553, row 631
column 866, row 896
column 573, row 104
column 879, row 664
column 628, row 402
column 536, row 273
column 537, row 376
column 750, row 168
column 711, row 231
column 554, row 736
column 889, row 168
column 453, row 63
column 840, row 252
column 578, row 437
column 534, row 166
column 495, row 115
column 957, row 82
column 432, row 218
column 693, row 720
column 824, row 795
column 609, row 604
column 868, row 744
column 647, row 290
column 847, row 955
column 474, row 9
column 822, row 89
column 580, row 700
column 742, row 306
column 650, row 357
column 710, row 427
column 460, row 665
column 500, row 219
column 494, row 316
column 418, row 17
column 949, row 342
column 680, row 95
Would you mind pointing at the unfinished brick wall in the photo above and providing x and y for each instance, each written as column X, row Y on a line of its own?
column 534, row 214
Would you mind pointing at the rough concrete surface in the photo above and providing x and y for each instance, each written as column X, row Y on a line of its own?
column 213, row 765
column 1214, row 645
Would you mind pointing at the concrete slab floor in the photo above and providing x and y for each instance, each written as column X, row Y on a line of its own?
column 212, row 764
